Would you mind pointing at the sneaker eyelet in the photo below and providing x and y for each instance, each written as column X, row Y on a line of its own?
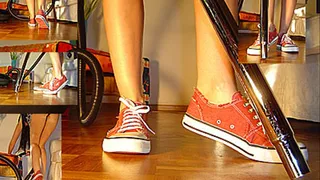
column 250, row 110
column 218, row 121
column 232, row 126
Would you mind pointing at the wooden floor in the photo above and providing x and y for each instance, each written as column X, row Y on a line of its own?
column 274, row 56
column 176, row 153
column 19, row 30
column 30, row 101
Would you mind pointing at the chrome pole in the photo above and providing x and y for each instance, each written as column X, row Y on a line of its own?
column 255, row 85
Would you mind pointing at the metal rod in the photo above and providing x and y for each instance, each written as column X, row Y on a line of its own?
column 264, row 28
column 19, row 79
column 34, row 64
column 274, row 122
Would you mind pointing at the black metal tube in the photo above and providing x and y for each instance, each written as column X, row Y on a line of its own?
column 34, row 64
column 264, row 28
column 19, row 79
column 255, row 85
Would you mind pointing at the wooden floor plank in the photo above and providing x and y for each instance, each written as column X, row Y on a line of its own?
column 176, row 153
column 19, row 30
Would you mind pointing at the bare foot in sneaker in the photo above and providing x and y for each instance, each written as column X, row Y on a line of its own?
column 42, row 20
column 59, row 81
column 130, row 135
column 234, row 124
column 285, row 44
column 32, row 23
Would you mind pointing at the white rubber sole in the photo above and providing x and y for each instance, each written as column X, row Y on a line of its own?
column 256, row 52
column 37, row 88
column 126, row 145
column 56, row 91
column 293, row 49
column 42, row 22
column 253, row 152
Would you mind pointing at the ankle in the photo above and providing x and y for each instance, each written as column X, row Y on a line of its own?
column 272, row 27
column 218, row 97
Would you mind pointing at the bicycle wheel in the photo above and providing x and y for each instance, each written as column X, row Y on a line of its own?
column 20, row 11
column 89, row 116
column 11, row 165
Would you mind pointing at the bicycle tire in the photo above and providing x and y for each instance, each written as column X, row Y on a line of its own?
column 23, row 17
column 90, row 115
column 12, row 166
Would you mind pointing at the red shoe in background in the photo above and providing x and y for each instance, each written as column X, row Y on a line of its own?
column 234, row 124
column 130, row 135
column 41, row 20
column 32, row 23
column 254, row 49
column 37, row 176
column 285, row 44
column 43, row 87
column 56, row 85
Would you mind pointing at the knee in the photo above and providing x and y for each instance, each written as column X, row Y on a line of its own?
column 34, row 145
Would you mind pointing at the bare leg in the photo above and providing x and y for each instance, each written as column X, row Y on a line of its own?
column 124, row 26
column 271, row 16
column 215, row 74
column 56, row 61
column 36, row 129
column 49, row 127
column 31, row 8
column 41, row 4
column 287, row 10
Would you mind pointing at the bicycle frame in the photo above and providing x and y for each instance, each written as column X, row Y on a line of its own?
column 255, row 85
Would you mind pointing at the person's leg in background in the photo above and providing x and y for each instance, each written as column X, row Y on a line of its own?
column 285, row 43
column 216, row 109
column 37, row 125
column 59, row 80
column 50, row 125
column 124, row 21
column 31, row 9
column 41, row 17
column 42, row 126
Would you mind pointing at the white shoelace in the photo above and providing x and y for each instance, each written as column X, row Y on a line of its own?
column 286, row 39
column 132, row 118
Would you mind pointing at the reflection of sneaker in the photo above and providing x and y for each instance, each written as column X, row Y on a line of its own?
column 37, row 176
column 43, row 87
column 286, row 44
column 41, row 20
column 56, row 85
column 254, row 49
column 130, row 135
column 234, row 124
column 32, row 23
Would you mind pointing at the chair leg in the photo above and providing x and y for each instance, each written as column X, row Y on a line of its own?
column 273, row 120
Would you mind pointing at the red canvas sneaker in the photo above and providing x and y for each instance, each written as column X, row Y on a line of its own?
column 37, row 176
column 234, row 124
column 42, row 87
column 130, row 135
column 32, row 23
column 254, row 49
column 56, row 85
column 285, row 44
column 41, row 20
